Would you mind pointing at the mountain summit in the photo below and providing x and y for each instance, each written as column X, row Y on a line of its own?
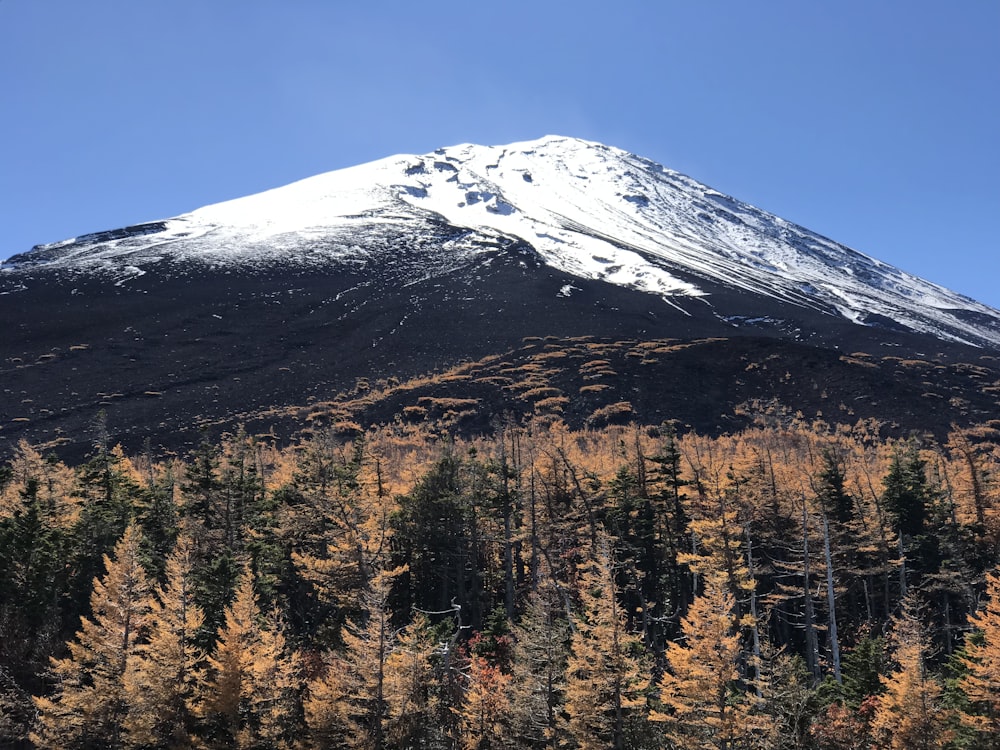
column 589, row 211
column 243, row 309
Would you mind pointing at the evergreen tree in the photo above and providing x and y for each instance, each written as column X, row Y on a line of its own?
column 107, row 490
column 907, row 500
column 831, row 492
column 17, row 713
column 539, row 668
column 905, row 496
column 864, row 666
column 665, row 484
column 32, row 581
column 157, row 516
column 437, row 538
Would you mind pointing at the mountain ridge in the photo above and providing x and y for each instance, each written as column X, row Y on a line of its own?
column 589, row 210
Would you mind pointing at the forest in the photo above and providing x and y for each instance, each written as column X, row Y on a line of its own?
column 793, row 585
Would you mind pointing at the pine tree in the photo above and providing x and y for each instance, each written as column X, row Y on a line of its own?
column 163, row 678
column 702, row 702
column 909, row 715
column 605, row 685
column 981, row 660
column 157, row 516
column 89, row 704
column 665, row 484
column 907, row 501
column 107, row 488
column 440, row 532
column 864, row 666
column 17, row 712
column 252, row 678
column 833, row 496
column 32, row 580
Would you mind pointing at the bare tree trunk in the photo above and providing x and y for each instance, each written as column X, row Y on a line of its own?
column 812, row 644
column 831, row 603
column 902, row 568
column 755, row 630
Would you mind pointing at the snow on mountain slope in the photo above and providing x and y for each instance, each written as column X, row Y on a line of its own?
column 589, row 210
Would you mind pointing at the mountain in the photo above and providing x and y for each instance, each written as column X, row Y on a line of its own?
column 263, row 309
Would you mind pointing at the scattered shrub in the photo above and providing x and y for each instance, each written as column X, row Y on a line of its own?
column 618, row 411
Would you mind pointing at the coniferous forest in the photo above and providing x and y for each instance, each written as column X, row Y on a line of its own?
column 794, row 585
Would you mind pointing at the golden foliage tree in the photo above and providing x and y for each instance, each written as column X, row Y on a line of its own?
column 702, row 702
column 409, row 685
column 89, row 704
column 252, row 678
column 344, row 521
column 909, row 715
column 485, row 711
column 981, row 659
column 163, row 678
column 350, row 699
column 32, row 474
column 604, row 679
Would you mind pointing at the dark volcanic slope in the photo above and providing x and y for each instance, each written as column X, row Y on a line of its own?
column 169, row 354
column 712, row 385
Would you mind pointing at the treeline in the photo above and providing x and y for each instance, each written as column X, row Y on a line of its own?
column 790, row 586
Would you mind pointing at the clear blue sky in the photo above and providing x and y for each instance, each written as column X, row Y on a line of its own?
column 874, row 123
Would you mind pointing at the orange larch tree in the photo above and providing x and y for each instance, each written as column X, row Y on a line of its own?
column 252, row 684
column 981, row 659
column 89, row 704
column 164, row 677
column 485, row 714
column 909, row 714
column 702, row 701
column 606, row 683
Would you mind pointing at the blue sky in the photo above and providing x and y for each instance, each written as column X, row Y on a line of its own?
column 874, row 123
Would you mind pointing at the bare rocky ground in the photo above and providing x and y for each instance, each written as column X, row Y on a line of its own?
column 177, row 354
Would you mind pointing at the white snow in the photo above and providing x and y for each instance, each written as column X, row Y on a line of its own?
column 590, row 211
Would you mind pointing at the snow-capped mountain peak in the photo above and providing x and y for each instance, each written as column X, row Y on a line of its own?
column 588, row 210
